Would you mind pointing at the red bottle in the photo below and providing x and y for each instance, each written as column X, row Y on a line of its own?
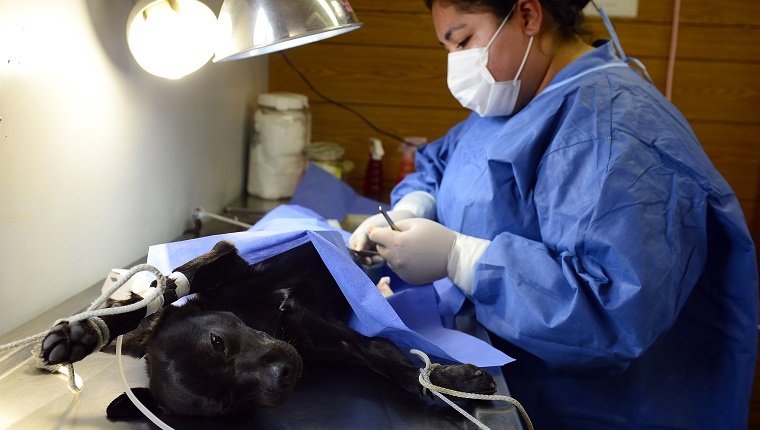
column 407, row 149
column 373, row 176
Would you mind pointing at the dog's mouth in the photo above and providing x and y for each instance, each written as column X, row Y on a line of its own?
column 275, row 398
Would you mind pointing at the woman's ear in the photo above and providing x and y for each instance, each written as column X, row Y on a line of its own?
column 531, row 16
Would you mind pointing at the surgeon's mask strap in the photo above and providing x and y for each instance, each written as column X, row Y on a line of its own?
column 524, row 60
column 498, row 30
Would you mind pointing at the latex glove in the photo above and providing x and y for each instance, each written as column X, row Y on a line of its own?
column 416, row 204
column 359, row 240
column 425, row 251
column 419, row 253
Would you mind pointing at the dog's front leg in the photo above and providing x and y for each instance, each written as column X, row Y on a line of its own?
column 69, row 342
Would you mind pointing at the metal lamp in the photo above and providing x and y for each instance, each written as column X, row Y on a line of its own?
column 256, row 27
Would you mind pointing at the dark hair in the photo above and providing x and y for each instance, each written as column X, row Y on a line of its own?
column 567, row 14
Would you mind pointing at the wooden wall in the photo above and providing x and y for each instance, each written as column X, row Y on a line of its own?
column 394, row 72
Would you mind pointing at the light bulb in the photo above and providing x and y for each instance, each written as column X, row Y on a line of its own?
column 171, row 38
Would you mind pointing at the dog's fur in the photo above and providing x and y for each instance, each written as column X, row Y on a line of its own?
column 242, row 341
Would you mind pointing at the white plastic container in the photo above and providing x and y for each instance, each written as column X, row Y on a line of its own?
column 282, row 128
column 328, row 156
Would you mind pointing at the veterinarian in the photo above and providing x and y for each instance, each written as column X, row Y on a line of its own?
column 576, row 209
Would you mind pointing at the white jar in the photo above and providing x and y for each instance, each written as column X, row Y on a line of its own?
column 282, row 128
column 328, row 156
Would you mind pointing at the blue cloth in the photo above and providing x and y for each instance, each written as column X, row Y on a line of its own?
column 330, row 197
column 621, row 273
column 408, row 320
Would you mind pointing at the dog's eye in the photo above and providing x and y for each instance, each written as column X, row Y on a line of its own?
column 217, row 342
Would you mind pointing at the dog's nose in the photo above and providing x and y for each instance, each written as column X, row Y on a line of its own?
column 282, row 373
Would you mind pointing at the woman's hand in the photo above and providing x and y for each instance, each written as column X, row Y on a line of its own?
column 359, row 239
column 419, row 253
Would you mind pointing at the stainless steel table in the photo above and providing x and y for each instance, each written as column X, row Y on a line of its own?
column 327, row 397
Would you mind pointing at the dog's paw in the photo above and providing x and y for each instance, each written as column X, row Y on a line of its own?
column 68, row 342
column 463, row 377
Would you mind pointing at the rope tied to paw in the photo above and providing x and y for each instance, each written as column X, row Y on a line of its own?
column 424, row 379
column 92, row 316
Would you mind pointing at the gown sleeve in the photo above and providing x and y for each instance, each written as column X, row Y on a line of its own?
column 623, row 244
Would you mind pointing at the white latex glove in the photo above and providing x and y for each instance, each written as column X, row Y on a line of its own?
column 425, row 251
column 359, row 240
column 419, row 253
column 417, row 204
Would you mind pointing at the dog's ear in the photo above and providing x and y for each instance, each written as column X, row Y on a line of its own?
column 135, row 342
column 122, row 409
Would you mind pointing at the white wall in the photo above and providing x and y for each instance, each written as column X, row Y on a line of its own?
column 98, row 159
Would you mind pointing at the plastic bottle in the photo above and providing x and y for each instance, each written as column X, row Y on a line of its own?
column 407, row 149
column 373, row 176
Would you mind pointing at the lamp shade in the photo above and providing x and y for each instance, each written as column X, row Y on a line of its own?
column 255, row 27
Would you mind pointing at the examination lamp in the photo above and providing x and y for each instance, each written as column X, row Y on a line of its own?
column 172, row 38
column 255, row 27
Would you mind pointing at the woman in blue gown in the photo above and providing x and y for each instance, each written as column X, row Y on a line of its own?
column 578, row 212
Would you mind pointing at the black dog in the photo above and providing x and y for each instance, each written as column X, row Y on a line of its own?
column 241, row 342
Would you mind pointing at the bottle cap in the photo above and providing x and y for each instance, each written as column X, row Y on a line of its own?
column 283, row 101
column 376, row 149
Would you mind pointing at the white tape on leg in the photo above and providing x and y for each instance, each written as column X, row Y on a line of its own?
column 183, row 285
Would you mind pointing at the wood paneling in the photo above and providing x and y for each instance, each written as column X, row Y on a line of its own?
column 640, row 39
column 733, row 148
column 719, row 12
column 646, row 40
column 379, row 76
column 704, row 90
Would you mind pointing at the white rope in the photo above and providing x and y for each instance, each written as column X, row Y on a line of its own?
column 92, row 314
column 424, row 379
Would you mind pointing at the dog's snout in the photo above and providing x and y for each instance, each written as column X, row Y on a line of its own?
column 270, row 371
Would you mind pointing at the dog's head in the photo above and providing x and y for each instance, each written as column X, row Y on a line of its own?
column 210, row 363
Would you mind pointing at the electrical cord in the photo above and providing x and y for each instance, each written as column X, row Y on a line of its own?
column 673, row 50
column 327, row 99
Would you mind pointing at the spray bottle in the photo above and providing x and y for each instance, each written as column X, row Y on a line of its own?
column 373, row 176
column 407, row 149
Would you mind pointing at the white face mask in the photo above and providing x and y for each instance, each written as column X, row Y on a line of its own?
column 472, row 84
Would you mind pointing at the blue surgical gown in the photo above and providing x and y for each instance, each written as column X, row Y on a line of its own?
column 621, row 273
